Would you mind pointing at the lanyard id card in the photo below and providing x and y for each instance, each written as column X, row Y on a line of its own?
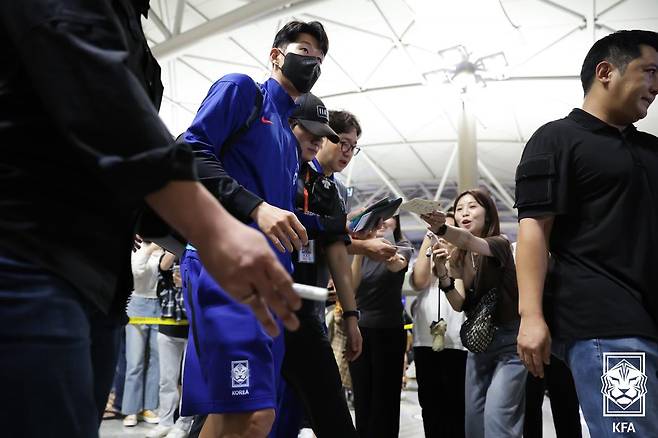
column 307, row 253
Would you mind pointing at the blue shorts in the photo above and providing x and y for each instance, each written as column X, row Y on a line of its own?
column 231, row 364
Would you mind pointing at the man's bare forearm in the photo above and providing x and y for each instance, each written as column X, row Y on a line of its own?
column 341, row 272
column 189, row 208
column 357, row 247
column 356, row 271
column 532, row 264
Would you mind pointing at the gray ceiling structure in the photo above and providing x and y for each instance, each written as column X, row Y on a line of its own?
column 392, row 63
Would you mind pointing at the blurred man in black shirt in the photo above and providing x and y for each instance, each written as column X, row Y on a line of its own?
column 82, row 148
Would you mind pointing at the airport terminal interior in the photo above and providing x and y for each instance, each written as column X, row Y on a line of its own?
column 426, row 99
column 447, row 93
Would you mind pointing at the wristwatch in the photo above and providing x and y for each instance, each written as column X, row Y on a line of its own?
column 448, row 288
column 354, row 313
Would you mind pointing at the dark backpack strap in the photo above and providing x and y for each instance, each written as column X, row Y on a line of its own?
column 235, row 135
column 255, row 114
column 151, row 225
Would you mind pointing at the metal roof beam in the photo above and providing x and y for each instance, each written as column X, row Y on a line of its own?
column 175, row 45
column 565, row 9
column 178, row 16
column 386, row 178
column 383, row 114
column 505, row 197
column 542, row 78
column 261, row 64
column 220, row 61
column 178, row 104
column 606, row 27
column 397, row 40
column 159, row 24
column 420, row 84
column 195, row 70
column 346, row 73
column 381, row 61
column 444, row 178
column 347, row 26
column 442, row 141
column 548, row 46
column 609, row 8
column 375, row 195
column 494, row 191
column 198, row 12
column 425, row 190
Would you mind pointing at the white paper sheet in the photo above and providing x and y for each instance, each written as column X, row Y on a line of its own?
column 420, row 206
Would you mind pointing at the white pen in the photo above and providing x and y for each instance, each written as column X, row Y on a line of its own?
column 310, row 292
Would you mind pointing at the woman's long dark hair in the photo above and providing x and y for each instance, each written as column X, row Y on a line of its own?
column 491, row 219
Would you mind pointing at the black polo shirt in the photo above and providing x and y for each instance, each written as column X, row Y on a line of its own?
column 81, row 142
column 601, row 184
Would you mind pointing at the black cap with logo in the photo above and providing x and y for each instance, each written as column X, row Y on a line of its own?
column 314, row 117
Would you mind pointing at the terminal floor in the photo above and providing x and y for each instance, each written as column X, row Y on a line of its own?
column 411, row 425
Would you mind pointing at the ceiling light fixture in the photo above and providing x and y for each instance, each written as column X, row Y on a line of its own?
column 466, row 73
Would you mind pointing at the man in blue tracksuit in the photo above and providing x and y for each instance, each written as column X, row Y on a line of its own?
column 232, row 366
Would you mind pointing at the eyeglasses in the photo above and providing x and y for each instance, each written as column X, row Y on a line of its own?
column 345, row 146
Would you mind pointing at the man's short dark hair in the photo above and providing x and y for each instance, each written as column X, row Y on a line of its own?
column 344, row 121
column 290, row 33
column 619, row 49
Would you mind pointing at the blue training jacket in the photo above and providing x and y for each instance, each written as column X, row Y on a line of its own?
column 265, row 159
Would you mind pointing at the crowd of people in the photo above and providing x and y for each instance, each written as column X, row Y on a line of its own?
column 214, row 342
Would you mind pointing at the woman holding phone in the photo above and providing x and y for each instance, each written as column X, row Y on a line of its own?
column 482, row 272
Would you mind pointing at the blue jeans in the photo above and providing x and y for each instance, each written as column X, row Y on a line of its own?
column 120, row 373
column 57, row 355
column 587, row 358
column 141, row 390
column 495, row 389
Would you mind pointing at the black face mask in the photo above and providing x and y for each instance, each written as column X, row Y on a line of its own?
column 302, row 71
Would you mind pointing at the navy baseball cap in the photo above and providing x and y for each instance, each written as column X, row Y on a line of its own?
column 314, row 117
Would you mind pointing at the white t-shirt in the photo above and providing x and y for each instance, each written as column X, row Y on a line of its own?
column 145, row 271
column 426, row 311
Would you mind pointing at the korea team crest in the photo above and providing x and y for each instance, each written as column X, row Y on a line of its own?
column 239, row 373
column 624, row 385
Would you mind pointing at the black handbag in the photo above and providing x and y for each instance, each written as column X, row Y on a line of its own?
column 170, row 297
column 478, row 330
